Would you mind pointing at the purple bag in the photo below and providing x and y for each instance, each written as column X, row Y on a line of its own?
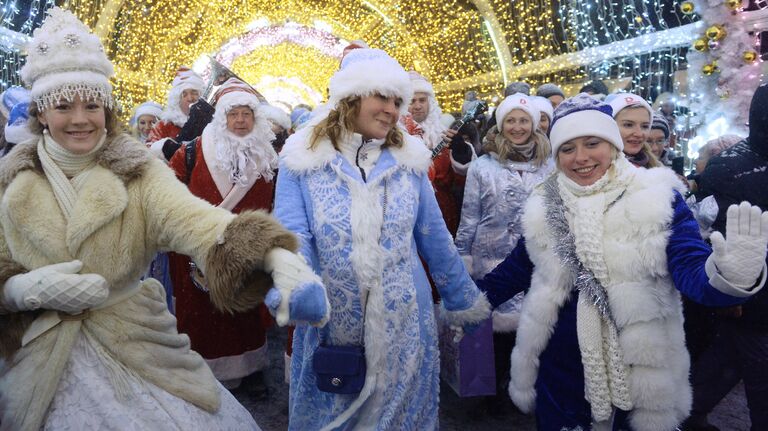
column 468, row 366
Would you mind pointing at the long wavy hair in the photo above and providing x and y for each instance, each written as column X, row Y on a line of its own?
column 340, row 123
column 505, row 149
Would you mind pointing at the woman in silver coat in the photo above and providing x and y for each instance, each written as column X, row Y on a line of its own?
column 498, row 184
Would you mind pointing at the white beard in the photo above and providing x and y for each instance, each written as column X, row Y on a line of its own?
column 433, row 129
column 246, row 158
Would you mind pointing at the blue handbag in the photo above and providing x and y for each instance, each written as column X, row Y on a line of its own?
column 339, row 369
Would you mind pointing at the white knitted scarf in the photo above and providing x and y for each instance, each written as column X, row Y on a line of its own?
column 605, row 373
column 65, row 170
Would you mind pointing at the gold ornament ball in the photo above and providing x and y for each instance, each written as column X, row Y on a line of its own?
column 733, row 4
column 687, row 7
column 701, row 45
column 708, row 69
column 716, row 32
column 749, row 56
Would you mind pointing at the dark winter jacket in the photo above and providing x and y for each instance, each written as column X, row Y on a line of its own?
column 738, row 174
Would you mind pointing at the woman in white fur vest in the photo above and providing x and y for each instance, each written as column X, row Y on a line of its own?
column 607, row 249
column 356, row 191
column 83, row 209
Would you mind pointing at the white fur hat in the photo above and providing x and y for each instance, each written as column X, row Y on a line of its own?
column 583, row 115
column 365, row 72
column 64, row 60
column 420, row 83
column 185, row 79
column 620, row 101
column 147, row 108
column 517, row 101
column 276, row 115
column 544, row 106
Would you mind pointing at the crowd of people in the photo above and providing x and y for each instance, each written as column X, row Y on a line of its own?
column 140, row 268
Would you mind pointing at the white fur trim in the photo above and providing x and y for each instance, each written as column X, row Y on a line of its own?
column 588, row 122
column 365, row 72
column 276, row 116
column 476, row 313
column 239, row 366
column 172, row 112
column 505, row 322
column 148, row 108
column 517, row 101
column 624, row 100
column 422, row 86
column 299, row 158
column 19, row 134
column 720, row 283
column 236, row 98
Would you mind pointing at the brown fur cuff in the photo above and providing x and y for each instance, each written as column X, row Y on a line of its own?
column 234, row 267
column 12, row 326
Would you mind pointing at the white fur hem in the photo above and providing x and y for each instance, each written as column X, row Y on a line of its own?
column 238, row 366
column 477, row 312
column 505, row 322
column 720, row 283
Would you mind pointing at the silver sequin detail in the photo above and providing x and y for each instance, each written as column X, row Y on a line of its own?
column 42, row 48
column 71, row 40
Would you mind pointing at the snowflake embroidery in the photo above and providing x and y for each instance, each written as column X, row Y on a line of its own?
column 424, row 228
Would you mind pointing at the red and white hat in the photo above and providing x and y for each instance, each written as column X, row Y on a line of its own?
column 517, row 101
column 186, row 78
column 620, row 101
column 234, row 92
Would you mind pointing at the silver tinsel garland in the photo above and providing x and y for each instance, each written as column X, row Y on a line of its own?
column 565, row 249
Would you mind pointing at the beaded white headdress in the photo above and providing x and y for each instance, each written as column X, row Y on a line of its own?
column 65, row 59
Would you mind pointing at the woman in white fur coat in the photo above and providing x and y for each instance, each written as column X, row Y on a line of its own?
column 83, row 209
column 607, row 249
column 356, row 192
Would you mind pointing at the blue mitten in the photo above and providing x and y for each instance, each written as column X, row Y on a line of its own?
column 294, row 279
column 307, row 303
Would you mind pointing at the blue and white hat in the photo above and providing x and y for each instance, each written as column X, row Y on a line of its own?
column 544, row 106
column 12, row 97
column 365, row 72
column 583, row 115
column 17, row 128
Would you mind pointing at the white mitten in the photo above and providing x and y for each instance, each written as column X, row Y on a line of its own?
column 56, row 287
column 290, row 272
column 740, row 257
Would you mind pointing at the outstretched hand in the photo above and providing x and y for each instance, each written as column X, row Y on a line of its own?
column 740, row 257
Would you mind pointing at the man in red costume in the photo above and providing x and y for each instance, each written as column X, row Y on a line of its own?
column 447, row 174
column 234, row 168
column 187, row 87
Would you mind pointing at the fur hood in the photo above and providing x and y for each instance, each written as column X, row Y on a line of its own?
column 123, row 155
column 298, row 158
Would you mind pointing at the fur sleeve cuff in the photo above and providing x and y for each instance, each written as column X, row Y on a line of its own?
column 234, row 266
column 8, row 268
column 720, row 283
column 479, row 311
column 12, row 326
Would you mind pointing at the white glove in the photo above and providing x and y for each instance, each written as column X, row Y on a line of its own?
column 467, row 262
column 289, row 272
column 56, row 287
column 740, row 257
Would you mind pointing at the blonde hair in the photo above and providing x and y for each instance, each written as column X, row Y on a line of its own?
column 505, row 149
column 341, row 122
column 653, row 162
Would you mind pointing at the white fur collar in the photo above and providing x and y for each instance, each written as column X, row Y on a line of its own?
column 299, row 158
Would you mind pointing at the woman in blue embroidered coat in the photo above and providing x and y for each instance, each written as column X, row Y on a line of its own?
column 364, row 211
column 606, row 252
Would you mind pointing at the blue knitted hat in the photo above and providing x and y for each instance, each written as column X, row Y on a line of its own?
column 583, row 115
